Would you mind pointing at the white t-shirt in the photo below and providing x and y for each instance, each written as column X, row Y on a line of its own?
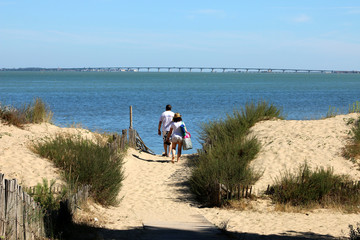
column 177, row 129
column 166, row 119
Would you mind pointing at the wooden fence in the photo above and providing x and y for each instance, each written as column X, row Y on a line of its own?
column 221, row 192
column 133, row 140
column 21, row 218
column 348, row 188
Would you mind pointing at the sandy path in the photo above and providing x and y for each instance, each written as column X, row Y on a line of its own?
column 153, row 190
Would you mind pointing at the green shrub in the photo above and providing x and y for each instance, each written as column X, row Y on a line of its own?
column 50, row 203
column 35, row 112
column 237, row 124
column 253, row 113
column 356, row 131
column 86, row 163
column 307, row 187
column 43, row 194
column 352, row 150
column 227, row 152
column 228, row 166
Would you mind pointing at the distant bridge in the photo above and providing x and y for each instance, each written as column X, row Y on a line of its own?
column 181, row 69
column 227, row 69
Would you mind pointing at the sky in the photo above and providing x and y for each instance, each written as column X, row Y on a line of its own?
column 299, row 34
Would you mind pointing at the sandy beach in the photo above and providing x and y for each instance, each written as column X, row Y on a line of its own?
column 156, row 190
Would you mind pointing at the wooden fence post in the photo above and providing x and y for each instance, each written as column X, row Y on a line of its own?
column 131, row 125
column 19, row 217
column 132, row 138
column 25, row 217
column 216, row 195
column 124, row 138
column 11, row 210
column 132, row 134
column 2, row 205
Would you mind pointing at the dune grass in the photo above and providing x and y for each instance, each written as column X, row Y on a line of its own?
column 352, row 150
column 355, row 107
column 228, row 150
column 307, row 188
column 333, row 111
column 35, row 112
column 86, row 163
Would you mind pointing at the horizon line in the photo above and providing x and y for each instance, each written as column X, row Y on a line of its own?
column 189, row 69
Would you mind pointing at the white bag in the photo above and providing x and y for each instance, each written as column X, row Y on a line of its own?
column 187, row 144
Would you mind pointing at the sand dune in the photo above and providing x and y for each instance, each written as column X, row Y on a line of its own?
column 18, row 161
column 287, row 144
column 155, row 189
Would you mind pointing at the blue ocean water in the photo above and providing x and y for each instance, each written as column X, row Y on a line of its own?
column 101, row 100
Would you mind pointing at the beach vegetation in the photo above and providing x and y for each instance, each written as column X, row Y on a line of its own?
column 352, row 149
column 50, row 202
column 35, row 112
column 58, row 217
column 44, row 194
column 355, row 107
column 320, row 187
column 350, row 121
column 85, row 162
column 332, row 112
column 227, row 152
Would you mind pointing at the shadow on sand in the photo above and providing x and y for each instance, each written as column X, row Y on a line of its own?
column 157, row 233
column 149, row 160
column 179, row 180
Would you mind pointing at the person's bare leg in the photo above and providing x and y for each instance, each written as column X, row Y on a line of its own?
column 170, row 147
column 173, row 152
column 165, row 149
column 179, row 151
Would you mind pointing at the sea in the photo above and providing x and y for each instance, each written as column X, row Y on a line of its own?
column 100, row 101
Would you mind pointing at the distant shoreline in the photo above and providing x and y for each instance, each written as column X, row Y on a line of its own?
column 178, row 69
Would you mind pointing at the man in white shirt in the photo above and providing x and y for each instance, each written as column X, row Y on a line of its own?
column 165, row 120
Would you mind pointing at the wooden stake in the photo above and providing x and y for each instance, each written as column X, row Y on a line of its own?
column 131, row 125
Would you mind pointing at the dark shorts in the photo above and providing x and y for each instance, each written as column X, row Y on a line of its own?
column 165, row 134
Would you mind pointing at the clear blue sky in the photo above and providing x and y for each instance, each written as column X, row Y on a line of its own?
column 312, row 34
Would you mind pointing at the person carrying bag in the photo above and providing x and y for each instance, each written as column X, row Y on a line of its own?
column 187, row 144
column 178, row 133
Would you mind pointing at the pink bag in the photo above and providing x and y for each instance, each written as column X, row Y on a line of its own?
column 188, row 135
